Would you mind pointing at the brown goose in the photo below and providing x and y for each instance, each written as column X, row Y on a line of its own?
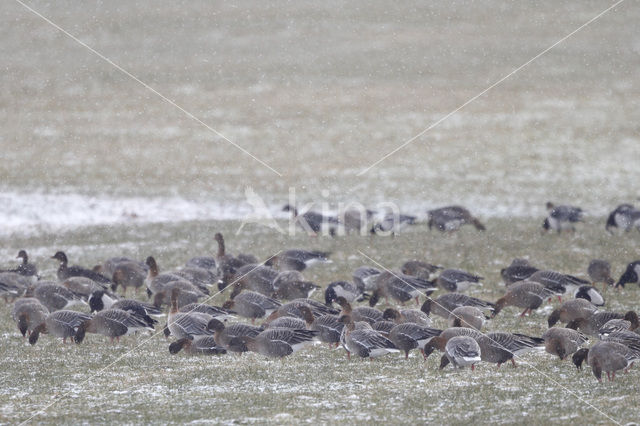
column 419, row 269
column 252, row 305
column 519, row 270
column 187, row 324
column 298, row 260
column 563, row 341
column 128, row 274
column 292, row 285
column 62, row 324
column 410, row 336
column 360, row 313
column 525, row 294
column 443, row 305
column 571, row 310
column 457, row 280
column 54, row 296
column 467, row 316
column 227, row 264
column 258, row 278
column 13, row 285
column 329, row 328
column 451, row 218
column 65, row 271
column 364, row 342
column 204, row 345
column 407, row 315
column 591, row 325
column 82, row 286
column 439, row 342
column 224, row 336
column 276, row 342
column 600, row 272
column 28, row 313
column 25, row 269
column 400, row 288
column 606, row 356
column 112, row 323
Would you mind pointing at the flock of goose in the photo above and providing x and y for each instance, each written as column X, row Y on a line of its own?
column 276, row 294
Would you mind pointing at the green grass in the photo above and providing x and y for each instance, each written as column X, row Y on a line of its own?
column 91, row 383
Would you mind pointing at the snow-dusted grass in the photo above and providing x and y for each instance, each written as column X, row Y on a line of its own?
column 317, row 385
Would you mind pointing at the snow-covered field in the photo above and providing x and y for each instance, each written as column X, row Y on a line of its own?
column 96, row 164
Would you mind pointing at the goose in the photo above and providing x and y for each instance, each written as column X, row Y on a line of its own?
column 227, row 264
column 384, row 327
column 54, row 296
column 392, row 223
column 562, row 218
column 630, row 275
column 439, row 342
column 82, row 287
column 203, row 345
column 600, row 272
column 360, row 313
column 407, row 315
column 109, row 266
column 293, row 309
column 400, row 288
column 298, row 260
column 257, row 278
column 350, row 291
column 419, row 269
column 364, row 342
column 155, row 281
column 289, row 289
column 312, row 222
column 199, row 277
column 25, row 269
column 213, row 311
column 451, row 218
column 467, row 316
column 443, row 305
column 292, row 323
column 28, row 313
column 188, row 293
column 317, row 307
column 557, row 282
column 625, row 337
column 187, row 324
column 591, row 325
column 13, row 285
column 519, row 270
column 62, row 324
column 625, row 217
column 356, row 219
column 456, row 280
column 65, row 271
column 461, row 351
column 500, row 347
column 113, row 323
column 364, row 277
column 100, row 301
column 571, row 310
column 128, row 274
column 329, row 328
column 224, row 335
column 613, row 326
column 563, row 341
column 276, row 342
column 252, row 305
column 607, row 357
column 525, row 294
column 408, row 336
column 590, row 294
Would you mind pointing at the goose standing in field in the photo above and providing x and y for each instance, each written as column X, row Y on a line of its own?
column 258, row 278
column 187, row 324
column 62, row 324
column 562, row 218
column 519, row 270
column 276, row 342
column 28, row 313
column 128, row 274
column 292, row 285
column 252, row 305
column 25, row 269
column 54, row 296
column 399, row 287
column 101, row 300
column 359, row 313
column 225, row 335
column 392, row 223
column 563, row 341
column 557, row 282
column 451, row 218
column 419, row 269
column 113, row 323
column 65, row 271
column 525, row 294
column 406, row 315
column 625, row 217
column 467, row 316
column 227, row 264
column 82, row 287
column 364, row 342
column 461, row 351
column 408, row 336
column 591, row 325
column 297, row 260
column 329, row 328
column 600, row 272
column 445, row 304
column 571, row 310
column 607, row 357
column 13, row 285
column 365, row 276
column 500, row 347
column 350, row 291
column 589, row 293
column 312, row 222
column 456, row 280
column 630, row 275
column 203, row 345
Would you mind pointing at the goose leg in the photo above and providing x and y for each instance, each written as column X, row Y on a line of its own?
column 513, row 361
